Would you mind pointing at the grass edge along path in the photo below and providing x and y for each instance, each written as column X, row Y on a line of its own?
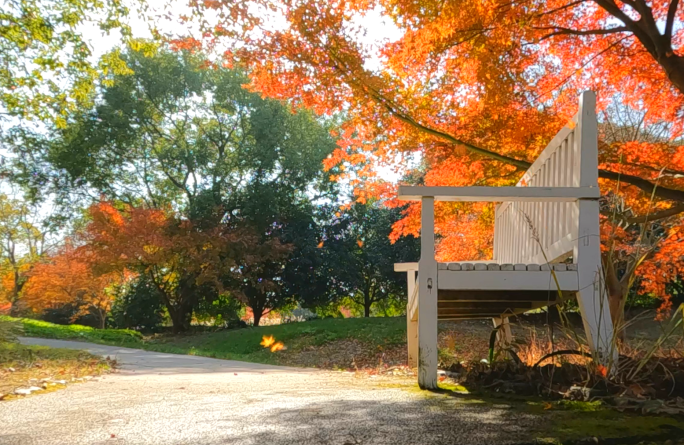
column 39, row 369
column 374, row 335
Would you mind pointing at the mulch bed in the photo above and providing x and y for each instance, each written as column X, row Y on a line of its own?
column 651, row 386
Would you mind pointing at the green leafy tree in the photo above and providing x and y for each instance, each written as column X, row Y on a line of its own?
column 285, row 218
column 46, row 70
column 138, row 307
column 359, row 258
column 223, row 311
column 171, row 130
column 176, row 132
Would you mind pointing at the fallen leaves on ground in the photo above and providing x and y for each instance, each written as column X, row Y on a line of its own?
column 22, row 374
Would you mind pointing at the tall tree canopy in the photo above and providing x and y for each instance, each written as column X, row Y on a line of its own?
column 173, row 130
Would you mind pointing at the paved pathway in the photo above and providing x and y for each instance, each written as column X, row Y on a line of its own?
column 162, row 399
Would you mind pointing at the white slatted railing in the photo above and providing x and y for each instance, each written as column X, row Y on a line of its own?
column 554, row 222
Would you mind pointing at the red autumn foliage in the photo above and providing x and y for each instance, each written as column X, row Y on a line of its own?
column 69, row 278
column 185, row 261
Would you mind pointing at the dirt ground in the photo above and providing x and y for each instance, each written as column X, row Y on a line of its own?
column 468, row 340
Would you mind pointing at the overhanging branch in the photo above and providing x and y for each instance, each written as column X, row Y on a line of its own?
column 395, row 110
column 676, row 210
column 669, row 24
column 590, row 32
column 643, row 184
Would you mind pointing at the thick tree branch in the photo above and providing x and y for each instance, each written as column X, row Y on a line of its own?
column 475, row 149
column 396, row 111
column 669, row 24
column 567, row 31
column 676, row 210
column 561, row 8
column 614, row 10
column 635, row 27
column 643, row 184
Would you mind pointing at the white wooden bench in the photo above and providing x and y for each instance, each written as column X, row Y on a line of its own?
column 548, row 219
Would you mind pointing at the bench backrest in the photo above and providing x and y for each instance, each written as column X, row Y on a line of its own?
column 570, row 160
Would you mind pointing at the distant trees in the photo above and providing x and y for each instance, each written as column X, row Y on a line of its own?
column 185, row 263
column 204, row 186
column 68, row 278
column 359, row 256
column 22, row 244
column 207, row 194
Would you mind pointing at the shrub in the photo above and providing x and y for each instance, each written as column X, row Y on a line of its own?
column 224, row 311
column 139, row 308
column 68, row 314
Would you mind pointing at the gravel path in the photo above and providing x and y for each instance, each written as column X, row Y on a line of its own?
column 160, row 399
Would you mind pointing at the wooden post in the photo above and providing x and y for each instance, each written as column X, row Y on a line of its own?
column 411, row 323
column 504, row 337
column 592, row 297
column 427, row 298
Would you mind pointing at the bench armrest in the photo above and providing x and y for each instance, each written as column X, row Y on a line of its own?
column 405, row 267
column 498, row 194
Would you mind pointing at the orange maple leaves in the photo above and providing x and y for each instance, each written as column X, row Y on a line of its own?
column 69, row 277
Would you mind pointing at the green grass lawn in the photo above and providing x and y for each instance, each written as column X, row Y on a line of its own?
column 43, row 329
column 372, row 335
column 244, row 344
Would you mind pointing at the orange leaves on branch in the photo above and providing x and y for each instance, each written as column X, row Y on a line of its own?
column 190, row 44
column 69, row 278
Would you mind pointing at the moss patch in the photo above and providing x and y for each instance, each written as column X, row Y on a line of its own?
column 563, row 425
column 566, row 422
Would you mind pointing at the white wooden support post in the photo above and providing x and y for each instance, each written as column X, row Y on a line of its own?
column 411, row 323
column 427, row 298
column 504, row 337
column 592, row 298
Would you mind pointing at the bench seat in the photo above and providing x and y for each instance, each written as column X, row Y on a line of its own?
column 483, row 290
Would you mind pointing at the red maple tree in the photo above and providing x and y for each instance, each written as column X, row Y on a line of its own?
column 68, row 278
column 476, row 90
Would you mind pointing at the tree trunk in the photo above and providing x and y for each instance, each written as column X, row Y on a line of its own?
column 103, row 318
column 257, row 313
column 14, row 309
column 674, row 69
column 15, row 297
column 179, row 319
column 367, row 298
